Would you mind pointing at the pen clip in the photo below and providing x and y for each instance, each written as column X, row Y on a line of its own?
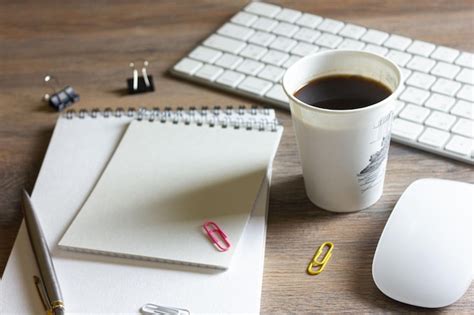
column 151, row 309
column 42, row 293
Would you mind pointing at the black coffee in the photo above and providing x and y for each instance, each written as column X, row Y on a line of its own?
column 342, row 92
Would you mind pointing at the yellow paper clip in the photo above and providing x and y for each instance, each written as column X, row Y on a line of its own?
column 320, row 264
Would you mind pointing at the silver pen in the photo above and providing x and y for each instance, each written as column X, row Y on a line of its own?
column 47, row 285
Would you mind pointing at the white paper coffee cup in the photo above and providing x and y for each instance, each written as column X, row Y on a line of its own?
column 343, row 152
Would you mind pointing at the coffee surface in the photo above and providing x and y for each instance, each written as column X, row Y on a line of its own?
column 342, row 92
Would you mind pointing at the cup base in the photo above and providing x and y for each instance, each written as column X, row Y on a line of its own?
column 341, row 209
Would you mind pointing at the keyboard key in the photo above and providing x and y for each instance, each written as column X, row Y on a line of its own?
column 421, row 80
column 421, row 64
column 397, row 42
column 309, row 20
column 414, row 95
column 275, row 57
column 464, row 127
column 244, row 18
column 382, row 51
column 353, row 31
column 230, row 78
column 307, row 35
column 421, row 48
column 253, row 52
column 262, row 38
column 405, row 72
column 466, row 93
column 460, row 145
column 406, row 129
column 400, row 58
column 434, row 137
column 229, row 61
column 285, row 29
column 463, row 109
column 375, row 37
column 290, row 61
column 187, row 66
column 261, row 8
column 236, row 31
column 225, row 44
column 331, row 26
column 250, row 67
column 466, row 76
column 398, row 106
column 440, row 120
column 272, row 73
column 445, row 86
column 351, row 44
column 288, row 15
column 466, row 60
column 414, row 113
column 328, row 40
column 445, row 54
column 264, row 24
column 440, row 102
column 283, row 44
column 205, row 54
column 255, row 86
column 209, row 72
column 304, row 49
column 277, row 93
column 445, row 70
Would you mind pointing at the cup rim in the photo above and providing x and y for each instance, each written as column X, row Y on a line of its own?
column 348, row 111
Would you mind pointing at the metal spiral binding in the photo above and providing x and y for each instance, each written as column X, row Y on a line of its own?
column 107, row 112
column 131, row 112
column 216, row 116
column 118, row 112
column 95, row 112
column 82, row 114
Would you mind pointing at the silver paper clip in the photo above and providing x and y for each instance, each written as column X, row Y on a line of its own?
column 152, row 309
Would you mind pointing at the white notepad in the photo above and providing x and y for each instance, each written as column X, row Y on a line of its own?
column 78, row 153
column 163, row 183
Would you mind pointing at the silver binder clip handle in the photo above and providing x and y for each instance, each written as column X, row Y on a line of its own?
column 144, row 73
column 53, row 84
column 135, row 76
column 153, row 309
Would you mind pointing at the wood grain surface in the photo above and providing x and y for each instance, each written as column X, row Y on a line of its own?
column 88, row 44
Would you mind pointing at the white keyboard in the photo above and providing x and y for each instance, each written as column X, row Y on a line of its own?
column 249, row 54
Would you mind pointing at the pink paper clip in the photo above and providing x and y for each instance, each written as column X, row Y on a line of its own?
column 221, row 242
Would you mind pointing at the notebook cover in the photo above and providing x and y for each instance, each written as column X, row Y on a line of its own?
column 163, row 182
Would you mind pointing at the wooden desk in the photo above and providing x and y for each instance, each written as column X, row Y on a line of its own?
column 88, row 44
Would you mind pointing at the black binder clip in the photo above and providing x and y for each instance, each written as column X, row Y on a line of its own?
column 140, row 84
column 62, row 99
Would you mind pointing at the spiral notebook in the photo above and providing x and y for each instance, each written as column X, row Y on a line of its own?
column 165, row 180
column 80, row 148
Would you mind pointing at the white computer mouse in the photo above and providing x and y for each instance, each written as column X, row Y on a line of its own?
column 425, row 254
